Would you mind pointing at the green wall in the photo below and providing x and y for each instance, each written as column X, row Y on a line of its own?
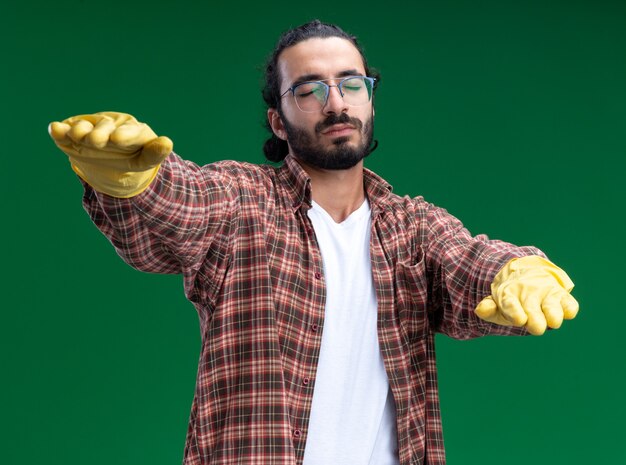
column 511, row 115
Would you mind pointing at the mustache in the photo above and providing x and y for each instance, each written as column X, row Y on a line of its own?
column 341, row 119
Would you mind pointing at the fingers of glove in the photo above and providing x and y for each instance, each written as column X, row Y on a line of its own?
column 94, row 118
column 536, row 320
column 79, row 130
column 553, row 309
column 58, row 132
column 117, row 117
column 570, row 306
column 101, row 133
column 486, row 309
column 131, row 136
column 154, row 152
column 92, row 130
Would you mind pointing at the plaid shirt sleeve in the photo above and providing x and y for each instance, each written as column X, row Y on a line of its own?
column 181, row 224
column 461, row 268
column 169, row 227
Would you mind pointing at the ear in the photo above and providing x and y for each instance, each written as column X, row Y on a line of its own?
column 276, row 123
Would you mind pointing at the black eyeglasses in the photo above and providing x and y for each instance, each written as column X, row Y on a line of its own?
column 312, row 96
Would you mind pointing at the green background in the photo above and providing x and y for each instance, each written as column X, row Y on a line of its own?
column 511, row 115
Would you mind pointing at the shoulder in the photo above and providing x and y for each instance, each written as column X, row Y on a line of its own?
column 241, row 168
column 409, row 209
column 240, row 174
column 398, row 208
column 417, row 218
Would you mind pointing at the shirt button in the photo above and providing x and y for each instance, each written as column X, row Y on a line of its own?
column 314, row 327
column 305, row 381
column 297, row 433
column 318, row 275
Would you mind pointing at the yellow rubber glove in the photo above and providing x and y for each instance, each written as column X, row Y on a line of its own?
column 112, row 152
column 531, row 292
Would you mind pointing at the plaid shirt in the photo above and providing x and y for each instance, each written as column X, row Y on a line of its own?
column 240, row 235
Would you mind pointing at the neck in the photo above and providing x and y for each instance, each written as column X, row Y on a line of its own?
column 339, row 192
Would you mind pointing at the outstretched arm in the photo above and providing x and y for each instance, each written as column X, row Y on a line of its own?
column 163, row 214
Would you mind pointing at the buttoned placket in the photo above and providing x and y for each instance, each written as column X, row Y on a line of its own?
column 395, row 358
column 314, row 325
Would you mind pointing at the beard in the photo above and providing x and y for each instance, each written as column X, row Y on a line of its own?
column 341, row 155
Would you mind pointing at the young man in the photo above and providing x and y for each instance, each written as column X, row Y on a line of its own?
column 319, row 291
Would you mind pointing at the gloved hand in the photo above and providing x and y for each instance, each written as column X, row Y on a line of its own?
column 531, row 292
column 112, row 152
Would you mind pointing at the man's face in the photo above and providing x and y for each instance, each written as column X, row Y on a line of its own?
column 337, row 136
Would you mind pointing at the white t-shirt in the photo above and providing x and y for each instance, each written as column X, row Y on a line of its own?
column 353, row 418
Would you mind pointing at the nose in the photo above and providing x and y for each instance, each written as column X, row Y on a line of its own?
column 334, row 103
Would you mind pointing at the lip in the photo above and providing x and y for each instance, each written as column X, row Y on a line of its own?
column 337, row 130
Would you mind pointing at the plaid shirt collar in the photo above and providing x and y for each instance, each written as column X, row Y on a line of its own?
column 298, row 184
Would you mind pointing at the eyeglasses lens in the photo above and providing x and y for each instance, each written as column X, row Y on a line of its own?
column 311, row 96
